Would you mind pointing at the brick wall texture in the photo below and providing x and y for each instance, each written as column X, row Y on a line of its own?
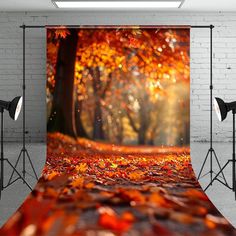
column 224, row 63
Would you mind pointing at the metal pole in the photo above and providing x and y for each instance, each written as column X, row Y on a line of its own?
column 23, row 87
column 211, row 88
column 23, row 150
column 234, row 164
column 111, row 26
column 2, row 157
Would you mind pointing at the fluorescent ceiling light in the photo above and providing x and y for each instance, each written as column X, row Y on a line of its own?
column 117, row 4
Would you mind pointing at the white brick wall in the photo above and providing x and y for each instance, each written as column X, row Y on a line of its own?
column 224, row 47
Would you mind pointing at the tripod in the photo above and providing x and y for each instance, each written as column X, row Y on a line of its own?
column 23, row 153
column 2, row 160
column 233, row 161
column 211, row 152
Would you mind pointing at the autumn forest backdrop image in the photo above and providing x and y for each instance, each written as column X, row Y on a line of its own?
column 118, row 156
column 122, row 86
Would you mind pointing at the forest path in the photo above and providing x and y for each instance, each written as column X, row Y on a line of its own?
column 89, row 188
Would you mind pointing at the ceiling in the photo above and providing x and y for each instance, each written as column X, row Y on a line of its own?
column 46, row 5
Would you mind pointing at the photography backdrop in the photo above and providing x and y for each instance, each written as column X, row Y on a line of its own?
column 118, row 158
column 121, row 86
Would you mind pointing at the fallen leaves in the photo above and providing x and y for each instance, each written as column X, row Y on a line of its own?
column 213, row 221
column 133, row 196
column 110, row 220
column 114, row 165
column 196, row 194
column 51, row 175
column 97, row 189
column 136, row 175
column 81, row 167
column 78, row 183
column 182, row 217
column 159, row 200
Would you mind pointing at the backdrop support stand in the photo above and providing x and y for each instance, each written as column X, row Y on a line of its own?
column 233, row 161
column 24, row 152
column 211, row 152
column 2, row 160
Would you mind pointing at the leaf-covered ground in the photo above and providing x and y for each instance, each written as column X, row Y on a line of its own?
column 95, row 189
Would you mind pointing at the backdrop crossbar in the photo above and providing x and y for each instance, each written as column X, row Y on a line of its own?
column 114, row 26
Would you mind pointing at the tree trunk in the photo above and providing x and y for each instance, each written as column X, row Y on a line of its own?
column 144, row 121
column 186, row 133
column 141, row 136
column 120, row 131
column 79, row 125
column 63, row 109
column 98, row 121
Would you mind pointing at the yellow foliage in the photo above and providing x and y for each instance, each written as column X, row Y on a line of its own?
column 81, row 167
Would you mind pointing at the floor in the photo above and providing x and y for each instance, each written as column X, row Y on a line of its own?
column 222, row 197
column 14, row 195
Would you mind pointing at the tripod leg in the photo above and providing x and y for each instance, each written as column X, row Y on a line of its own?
column 2, row 155
column 220, row 166
column 234, row 183
column 216, row 176
column 203, row 165
column 31, row 165
column 1, row 177
column 15, row 167
column 211, row 171
column 0, row 194
column 18, row 173
column 234, row 187
column 23, row 171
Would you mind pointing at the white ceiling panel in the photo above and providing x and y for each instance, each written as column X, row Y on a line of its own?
column 189, row 5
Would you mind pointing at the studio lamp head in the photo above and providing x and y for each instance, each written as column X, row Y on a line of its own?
column 13, row 107
column 222, row 108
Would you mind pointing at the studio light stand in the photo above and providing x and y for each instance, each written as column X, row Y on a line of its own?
column 24, row 152
column 222, row 109
column 211, row 154
column 14, row 109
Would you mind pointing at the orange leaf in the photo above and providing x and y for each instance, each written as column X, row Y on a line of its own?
column 61, row 32
column 89, row 185
column 78, row 182
column 51, row 175
column 81, row 167
column 159, row 200
column 196, row 194
column 136, row 175
column 182, row 217
column 109, row 219
column 212, row 221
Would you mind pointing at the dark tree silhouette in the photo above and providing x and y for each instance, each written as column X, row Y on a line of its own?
column 81, row 132
column 63, row 108
column 98, row 121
